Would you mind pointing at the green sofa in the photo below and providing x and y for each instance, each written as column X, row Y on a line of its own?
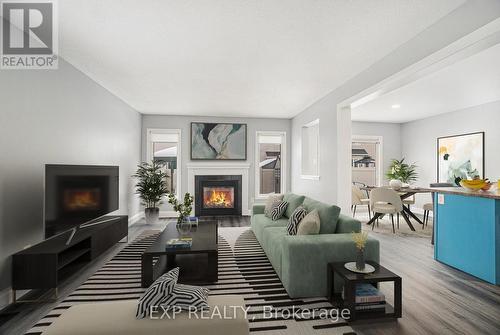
column 301, row 261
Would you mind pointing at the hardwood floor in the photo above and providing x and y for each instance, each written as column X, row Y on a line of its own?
column 436, row 298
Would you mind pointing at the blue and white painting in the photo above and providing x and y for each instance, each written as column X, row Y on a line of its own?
column 218, row 141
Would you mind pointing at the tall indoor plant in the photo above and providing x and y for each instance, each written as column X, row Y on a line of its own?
column 400, row 173
column 151, row 187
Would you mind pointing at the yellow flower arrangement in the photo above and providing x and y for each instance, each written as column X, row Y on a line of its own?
column 360, row 239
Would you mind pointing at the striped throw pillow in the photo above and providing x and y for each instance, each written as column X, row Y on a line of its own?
column 157, row 292
column 278, row 210
column 187, row 297
column 297, row 216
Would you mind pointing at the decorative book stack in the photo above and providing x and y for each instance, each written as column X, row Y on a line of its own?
column 179, row 243
column 369, row 298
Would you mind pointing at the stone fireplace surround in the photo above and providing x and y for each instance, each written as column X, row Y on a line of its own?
column 217, row 168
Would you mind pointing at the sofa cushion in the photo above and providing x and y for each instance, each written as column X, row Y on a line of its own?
column 295, row 219
column 294, row 201
column 271, row 201
column 260, row 222
column 309, row 225
column 272, row 243
column 278, row 210
column 117, row 317
column 187, row 297
column 156, row 293
column 328, row 215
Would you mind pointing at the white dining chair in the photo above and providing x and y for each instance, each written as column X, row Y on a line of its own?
column 385, row 201
column 359, row 199
column 428, row 207
column 409, row 201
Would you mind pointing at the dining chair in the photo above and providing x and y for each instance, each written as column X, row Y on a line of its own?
column 428, row 207
column 385, row 201
column 409, row 201
column 359, row 199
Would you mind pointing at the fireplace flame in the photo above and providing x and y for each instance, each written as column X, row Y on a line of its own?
column 219, row 199
column 81, row 199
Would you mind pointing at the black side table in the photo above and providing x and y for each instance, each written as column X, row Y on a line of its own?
column 350, row 279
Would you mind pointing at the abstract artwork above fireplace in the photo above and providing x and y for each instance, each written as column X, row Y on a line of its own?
column 218, row 141
column 217, row 195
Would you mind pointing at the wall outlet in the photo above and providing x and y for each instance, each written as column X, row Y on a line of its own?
column 441, row 199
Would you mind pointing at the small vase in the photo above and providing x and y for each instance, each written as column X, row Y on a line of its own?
column 184, row 227
column 360, row 260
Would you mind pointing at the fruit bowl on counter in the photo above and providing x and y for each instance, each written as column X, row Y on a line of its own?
column 476, row 184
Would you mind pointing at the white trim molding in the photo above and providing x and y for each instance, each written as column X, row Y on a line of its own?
column 222, row 168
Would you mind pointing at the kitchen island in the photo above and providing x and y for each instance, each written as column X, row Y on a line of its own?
column 467, row 231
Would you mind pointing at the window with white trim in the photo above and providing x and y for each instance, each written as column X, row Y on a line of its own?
column 270, row 165
column 164, row 145
column 310, row 150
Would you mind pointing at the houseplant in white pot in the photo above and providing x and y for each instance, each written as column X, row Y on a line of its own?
column 151, row 187
column 401, row 174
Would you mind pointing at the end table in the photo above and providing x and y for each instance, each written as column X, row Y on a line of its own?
column 350, row 279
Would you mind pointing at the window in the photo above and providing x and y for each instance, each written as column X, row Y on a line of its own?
column 164, row 146
column 270, row 164
column 310, row 150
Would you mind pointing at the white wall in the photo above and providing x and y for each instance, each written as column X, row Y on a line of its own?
column 420, row 140
column 333, row 135
column 56, row 116
column 391, row 140
column 184, row 123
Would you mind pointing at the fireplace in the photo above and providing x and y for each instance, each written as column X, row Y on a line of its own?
column 217, row 195
column 82, row 197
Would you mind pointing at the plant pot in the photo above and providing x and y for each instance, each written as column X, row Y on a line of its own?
column 360, row 259
column 395, row 184
column 152, row 214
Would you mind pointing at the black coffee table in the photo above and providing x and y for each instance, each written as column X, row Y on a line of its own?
column 198, row 264
column 350, row 280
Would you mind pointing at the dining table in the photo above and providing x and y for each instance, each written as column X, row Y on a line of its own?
column 404, row 192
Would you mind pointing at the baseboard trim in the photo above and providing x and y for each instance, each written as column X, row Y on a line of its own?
column 134, row 218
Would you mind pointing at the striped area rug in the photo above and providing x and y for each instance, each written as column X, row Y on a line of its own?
column 243, row 270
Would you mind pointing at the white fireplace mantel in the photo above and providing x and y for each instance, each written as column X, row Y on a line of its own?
column 222, row 168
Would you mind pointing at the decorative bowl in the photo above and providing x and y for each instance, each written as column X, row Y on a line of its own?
column 474, row 185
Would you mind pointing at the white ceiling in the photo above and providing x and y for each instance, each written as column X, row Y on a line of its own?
column 234, row 57
column 469, row 82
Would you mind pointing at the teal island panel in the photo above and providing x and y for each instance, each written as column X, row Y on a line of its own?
column 467, row 234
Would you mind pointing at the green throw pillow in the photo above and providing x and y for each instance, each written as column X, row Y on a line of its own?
column 328, row 215
column 293, row 201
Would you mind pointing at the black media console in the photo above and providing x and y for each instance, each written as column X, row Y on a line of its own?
column 46, row 264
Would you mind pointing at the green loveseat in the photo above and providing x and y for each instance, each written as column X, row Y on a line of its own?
column 301, row 261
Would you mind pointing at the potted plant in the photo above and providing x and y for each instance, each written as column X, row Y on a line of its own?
column 360, row 241
column 401, row 173
column 184, row 209
column 151, row 187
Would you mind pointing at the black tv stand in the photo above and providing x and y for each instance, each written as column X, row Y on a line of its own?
column 46, row 264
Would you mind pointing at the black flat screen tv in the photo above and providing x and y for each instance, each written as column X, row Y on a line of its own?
column 78, row 194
